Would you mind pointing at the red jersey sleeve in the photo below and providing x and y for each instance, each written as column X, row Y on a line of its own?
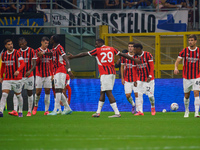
column 122, row 60
column 93, row 52
column 181, row 54
column 61, row 51
column 19, row 56
column 116, row 52
column 150, row 57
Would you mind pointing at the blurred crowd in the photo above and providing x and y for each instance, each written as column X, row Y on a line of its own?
column 147, row 5
column 151, row 5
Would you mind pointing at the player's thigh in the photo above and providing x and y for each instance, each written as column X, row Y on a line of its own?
column 6, row 85
column 59, row 80
column 47, row 82
column 128, row 87
column 150, row 88
column 107, row 82
column 39, row 82
column 29, row 83
column 141, row 87
column 196, row 84
column 16, row 86
column 187, row 85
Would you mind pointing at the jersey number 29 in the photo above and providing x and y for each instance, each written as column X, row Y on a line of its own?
column 106, row 57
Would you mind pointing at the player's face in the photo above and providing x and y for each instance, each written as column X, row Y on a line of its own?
column 45, row 44
column 23, row 44
column 9, row 46
column 192, row 42
column 97, row 44
column 131, row 48
column 137, row 50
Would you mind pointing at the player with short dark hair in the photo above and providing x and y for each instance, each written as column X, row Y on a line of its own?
column 12, row 65
column 60, row 60
column 44, row 73
column 105, row 59
column 145, row 83
column 29, row 57
column 191, row 73
column 129, row 76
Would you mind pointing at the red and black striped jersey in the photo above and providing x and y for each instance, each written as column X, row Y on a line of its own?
column 44, row 64
column 11, row 63
column 144, row 69
column 58, row 61
column 105, row 59
column 28, row 54
column 128, row 68
column 190, row 62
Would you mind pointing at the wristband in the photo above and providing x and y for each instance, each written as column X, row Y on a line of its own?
column 150, row 76
column 69, row 69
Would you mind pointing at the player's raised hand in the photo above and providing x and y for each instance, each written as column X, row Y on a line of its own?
column 16, row 73
column 1, row 80
column 28, row 73
column 137, row 61
column 70, row 56
column 176, row 71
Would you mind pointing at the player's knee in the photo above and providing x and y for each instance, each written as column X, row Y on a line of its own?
column 128, row 95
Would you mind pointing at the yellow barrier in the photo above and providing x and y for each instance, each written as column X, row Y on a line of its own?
column 165, row 47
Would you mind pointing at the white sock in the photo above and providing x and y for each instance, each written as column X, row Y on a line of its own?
column 65, row 102
column 152, row 101
column 47, row 101
column 20, row 102
column 100, row 105
column 186, row 102
column 30, row 103
column 37, row 98
column 136, row 103
column 3, row 101
column 130, row 99
column 140, row 102
column 196, row 104
column 114, row 107
column 15, row 102
column 57, row 102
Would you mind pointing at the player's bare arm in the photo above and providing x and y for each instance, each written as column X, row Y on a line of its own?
column 137, row 61
column 68, row 66
column 176, row 71
column 33, row 67
column 122, row 74
column 78, row 55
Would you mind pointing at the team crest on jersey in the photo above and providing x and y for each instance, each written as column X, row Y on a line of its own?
column 27, row 54
column 13, row 57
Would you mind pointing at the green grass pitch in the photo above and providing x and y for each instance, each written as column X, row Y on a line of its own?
column 79, row 131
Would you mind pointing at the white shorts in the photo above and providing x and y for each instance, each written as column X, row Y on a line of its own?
column 107, row 82
column 44, row 82
column 191, row 85
column 15, row 85
column 28, row 83
column 59, row 80
column 129, row 87
column 146, row 87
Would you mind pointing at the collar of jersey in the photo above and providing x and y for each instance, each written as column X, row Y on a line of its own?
column 192, row 49
column 11, row 52
column 56, row 46
column 24, row 50
column 130, row 55
column 43, row 50
column 141, row 54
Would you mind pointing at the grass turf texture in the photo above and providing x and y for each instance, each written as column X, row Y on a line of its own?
column 79, row 131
